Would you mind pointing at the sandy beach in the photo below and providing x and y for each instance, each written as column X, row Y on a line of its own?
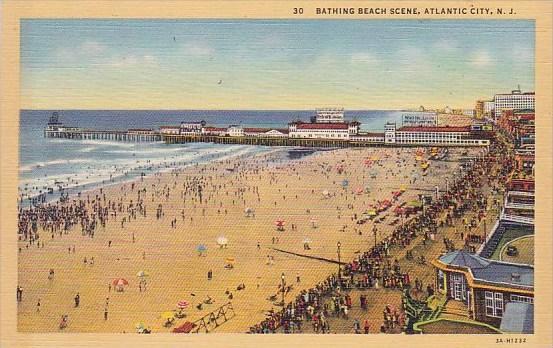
column 273, row 186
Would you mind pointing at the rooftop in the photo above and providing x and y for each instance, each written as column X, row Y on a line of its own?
column 490, row 270
column 343, row 125
column 434, row 129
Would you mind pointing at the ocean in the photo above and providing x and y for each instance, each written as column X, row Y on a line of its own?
column 80, row 164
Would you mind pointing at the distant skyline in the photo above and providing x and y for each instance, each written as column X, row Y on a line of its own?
column 271, row 64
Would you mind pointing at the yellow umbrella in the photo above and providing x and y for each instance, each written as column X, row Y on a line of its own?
column 229, row 260
column 402, row 188
column 371, row 212
column 418, row 158
column 168, row 315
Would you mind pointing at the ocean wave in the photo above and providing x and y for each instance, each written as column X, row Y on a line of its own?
column 37, row 165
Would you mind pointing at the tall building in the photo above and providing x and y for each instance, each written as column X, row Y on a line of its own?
column 515, row 100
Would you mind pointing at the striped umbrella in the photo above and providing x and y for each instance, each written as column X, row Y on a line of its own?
column 120, row 282
column 183, row 304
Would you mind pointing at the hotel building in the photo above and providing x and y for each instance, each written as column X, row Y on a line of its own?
column 444, row 136
column 515, row 100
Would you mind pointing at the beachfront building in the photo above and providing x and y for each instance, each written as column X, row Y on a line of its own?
column 219, row 131
column 235, row 131
column 444, row 136
column 365, row 137
column 514, row 100
column 174, row 130
column 276, row 133
column 486, row 288
column 326, row 130
column 330, row 115
column 483, row 109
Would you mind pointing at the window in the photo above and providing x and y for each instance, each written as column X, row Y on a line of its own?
column 498, row 304
column 489, row 304
column 494, row 304
column 522, row 299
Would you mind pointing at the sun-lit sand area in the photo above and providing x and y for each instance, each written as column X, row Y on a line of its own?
column 318, row 199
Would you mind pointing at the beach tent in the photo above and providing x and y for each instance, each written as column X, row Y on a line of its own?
column 222, row 241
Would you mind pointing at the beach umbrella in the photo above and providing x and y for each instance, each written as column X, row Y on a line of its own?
column 371, row 212
column 402, row 188
column 139, row 326
column 230, row 260
column 359, row 190
column 183, row 304
column 345, row 183
column 248, row 211
column 142, row 274
column 280, row 222
column 222, row 241
column 201, row 248
column 120, row 282
column 326, row 193
column 306, row 241
column 168, row 315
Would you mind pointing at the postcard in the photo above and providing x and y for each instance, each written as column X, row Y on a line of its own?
column 271, row 173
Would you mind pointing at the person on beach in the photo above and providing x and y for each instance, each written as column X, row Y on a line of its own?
column 77, row 300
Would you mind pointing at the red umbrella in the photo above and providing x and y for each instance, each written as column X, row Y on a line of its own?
column 280, row 222
column 183, row 304
column 120, row 282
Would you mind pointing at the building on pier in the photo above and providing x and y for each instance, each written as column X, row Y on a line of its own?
column 435, row 136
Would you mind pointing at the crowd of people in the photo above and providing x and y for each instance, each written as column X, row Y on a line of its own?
column 373, row 268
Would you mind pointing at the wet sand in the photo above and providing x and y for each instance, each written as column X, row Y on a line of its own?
column 177, row 272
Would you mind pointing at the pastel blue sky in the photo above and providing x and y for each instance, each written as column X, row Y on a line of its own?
column 271, row 64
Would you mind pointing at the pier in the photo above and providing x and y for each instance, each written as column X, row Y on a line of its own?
column 113, row 135
column 256, row 140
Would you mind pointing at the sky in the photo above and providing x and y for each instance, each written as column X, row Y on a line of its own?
column 271, row 64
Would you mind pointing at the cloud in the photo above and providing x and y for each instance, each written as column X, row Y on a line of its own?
column 131, row 60
column 481, row 59
column 364, row 58
column 197, row 49
column 86, row 49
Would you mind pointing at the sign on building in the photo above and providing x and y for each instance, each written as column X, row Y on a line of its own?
column 419, row 118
